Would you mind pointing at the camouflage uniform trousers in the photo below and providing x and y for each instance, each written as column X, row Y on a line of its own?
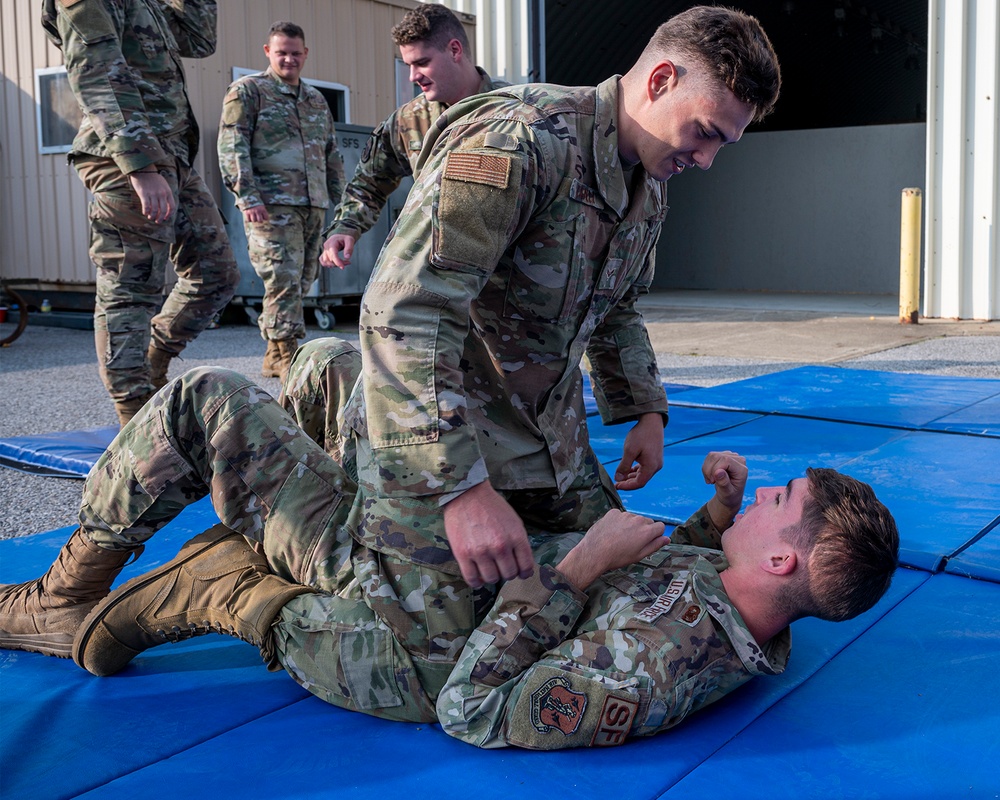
column 131, row 253
column 318, row 386
column 284, row 252
column 372, row 636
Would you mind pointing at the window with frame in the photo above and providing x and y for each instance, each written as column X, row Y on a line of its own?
column 406, row 89
column 57, row 112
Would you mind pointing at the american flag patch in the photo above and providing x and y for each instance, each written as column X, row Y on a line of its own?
column 478, row 168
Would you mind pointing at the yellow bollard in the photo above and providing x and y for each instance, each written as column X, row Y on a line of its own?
column 909, row 257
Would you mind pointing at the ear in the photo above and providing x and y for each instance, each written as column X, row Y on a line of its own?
column 454, row 49
column 267, row 50
column 780, row 563
column 662, row 78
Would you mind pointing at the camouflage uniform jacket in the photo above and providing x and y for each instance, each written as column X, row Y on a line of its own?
column 551, row 667
column 278, row 146
column 387, row 159
column 519, row 250
column 123, row 61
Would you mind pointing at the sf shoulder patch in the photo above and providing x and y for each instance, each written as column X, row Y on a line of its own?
column 615, row 721
column 484, row 168
column 555, row 706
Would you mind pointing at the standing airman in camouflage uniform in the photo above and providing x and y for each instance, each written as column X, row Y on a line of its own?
column 135, row 152
column 524, row 245
column 433, row 43
column 278, row 154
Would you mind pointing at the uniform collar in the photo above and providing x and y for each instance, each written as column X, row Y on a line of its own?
column 610, row 180
column 769, row 659
column 282, row 86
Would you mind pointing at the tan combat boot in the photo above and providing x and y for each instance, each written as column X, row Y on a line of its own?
column 216, row 584
column 271, row 360
column 43, row 615
column 159, row 364
column 286, row 351
column 126, row 409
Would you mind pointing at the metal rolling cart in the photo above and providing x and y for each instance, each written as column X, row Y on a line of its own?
column 334, row 287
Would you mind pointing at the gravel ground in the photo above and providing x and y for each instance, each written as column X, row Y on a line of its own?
column 49, row 383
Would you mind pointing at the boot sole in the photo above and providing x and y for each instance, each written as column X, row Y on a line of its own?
column 94, row 618
column 59, row 645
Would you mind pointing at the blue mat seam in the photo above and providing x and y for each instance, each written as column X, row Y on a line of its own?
column 976, row 538
column 888, row 425
column 191, row 746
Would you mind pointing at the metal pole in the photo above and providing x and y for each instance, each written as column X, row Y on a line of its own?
column 909, row 257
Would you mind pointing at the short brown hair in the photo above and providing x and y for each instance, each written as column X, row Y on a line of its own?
column 289, row 29
column 730, row 44
column 852, row 545
column 430, row 23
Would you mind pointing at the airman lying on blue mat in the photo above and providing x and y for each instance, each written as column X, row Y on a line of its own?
column 619, row 632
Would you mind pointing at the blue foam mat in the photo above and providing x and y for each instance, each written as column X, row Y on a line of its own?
column 311, row 749
column 982, row 418
column 935, row 484
column 864, row 396
column 70, row 454
column 870, row 708
column 908, row 711
column 981, row 559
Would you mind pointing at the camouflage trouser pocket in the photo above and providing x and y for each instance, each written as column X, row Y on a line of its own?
column 335, row 647
column 138, row 485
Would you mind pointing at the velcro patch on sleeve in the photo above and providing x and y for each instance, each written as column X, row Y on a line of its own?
column 558, row 709
column 483, row 168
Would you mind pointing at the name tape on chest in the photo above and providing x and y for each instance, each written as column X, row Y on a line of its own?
column 662, row 604
column 481, row 168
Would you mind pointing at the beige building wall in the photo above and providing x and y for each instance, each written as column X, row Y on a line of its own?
column 43, row 206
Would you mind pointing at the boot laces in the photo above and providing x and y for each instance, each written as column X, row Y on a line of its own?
column 179, row 634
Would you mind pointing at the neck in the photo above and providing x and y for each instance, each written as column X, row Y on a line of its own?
column 473, row 80
column 626, row 124
column 756, row 606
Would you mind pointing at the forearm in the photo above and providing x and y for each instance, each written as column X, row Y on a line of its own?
column 531, row 616
column 104, row 86
column 624, row 373
column 235, row 150
column 377, row 175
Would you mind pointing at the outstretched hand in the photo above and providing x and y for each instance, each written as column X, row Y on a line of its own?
column 487, row 537
column 642, row 456
column 728, row 472
column 616, row 540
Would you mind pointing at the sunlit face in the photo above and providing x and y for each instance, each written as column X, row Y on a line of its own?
column 689, row 120
column 438, row 73
column 774, row 508
column 287, row 56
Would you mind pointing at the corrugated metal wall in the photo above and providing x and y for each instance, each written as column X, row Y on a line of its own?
column 962, row 197
column 43, row 205
column 502, row 36
column 43, row 214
